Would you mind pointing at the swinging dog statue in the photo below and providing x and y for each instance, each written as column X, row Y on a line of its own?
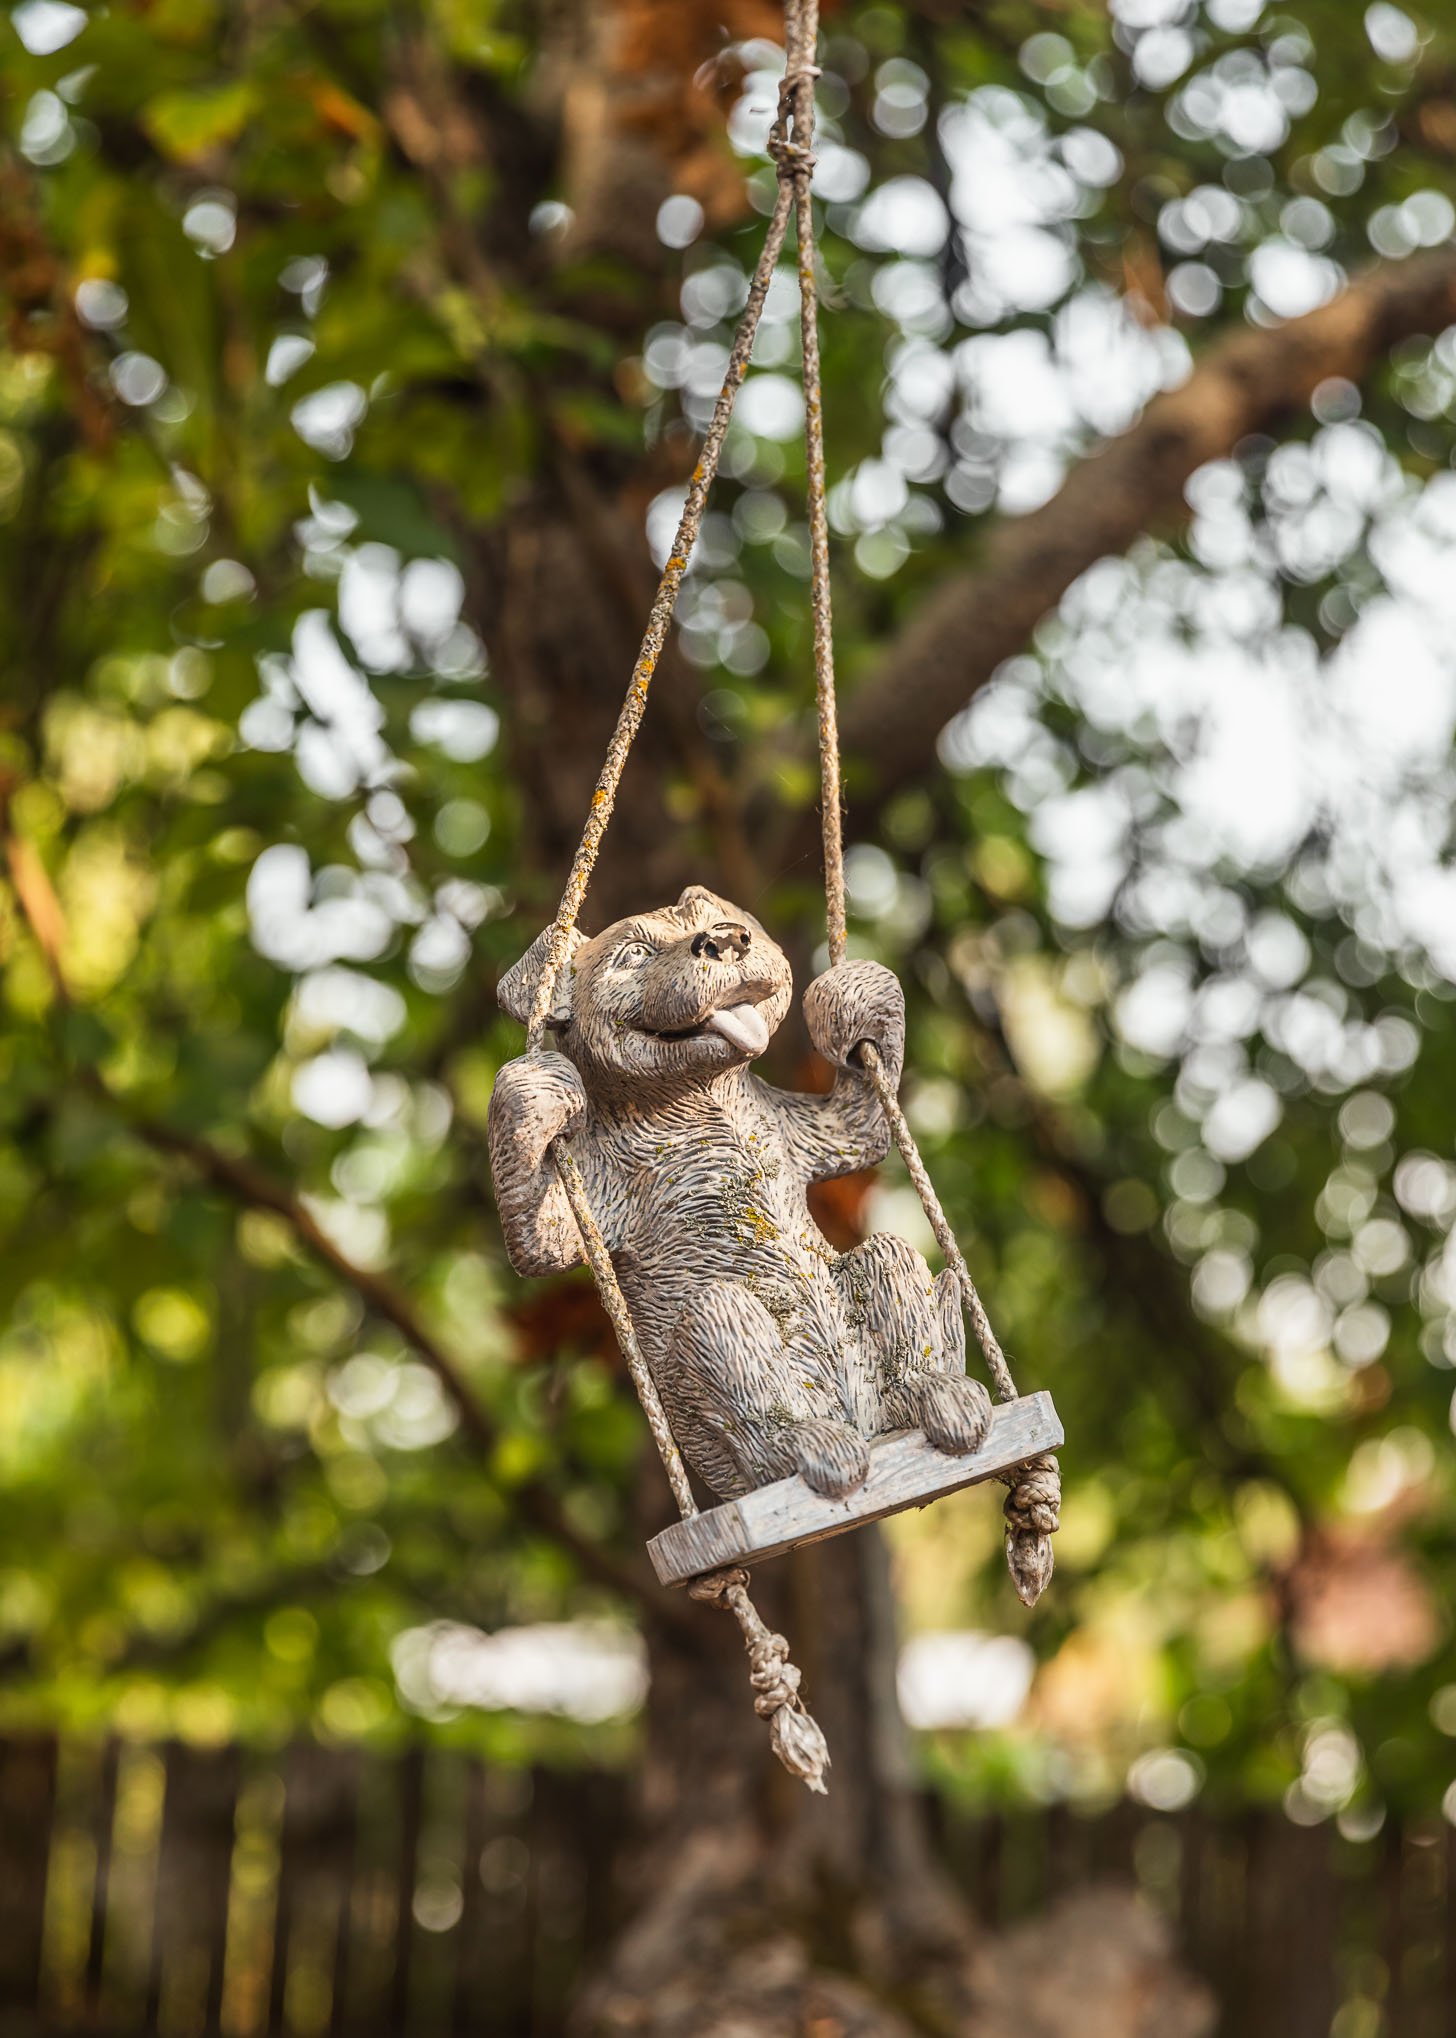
column 772, row 1352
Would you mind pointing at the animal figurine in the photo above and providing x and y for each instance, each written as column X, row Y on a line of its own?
column 772, row 1352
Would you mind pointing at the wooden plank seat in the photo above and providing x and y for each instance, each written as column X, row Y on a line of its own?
column 905, row 1471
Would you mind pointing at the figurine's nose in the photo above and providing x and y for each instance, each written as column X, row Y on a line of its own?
column 718, row 943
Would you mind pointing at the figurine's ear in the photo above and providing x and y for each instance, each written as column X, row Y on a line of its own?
column 698, row 895
column 516, row 991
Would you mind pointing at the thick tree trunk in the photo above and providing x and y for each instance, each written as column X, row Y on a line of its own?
column 752, row 1907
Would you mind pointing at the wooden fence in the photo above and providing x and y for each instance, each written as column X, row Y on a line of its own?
column 183, row 1892
column 1299, row 1932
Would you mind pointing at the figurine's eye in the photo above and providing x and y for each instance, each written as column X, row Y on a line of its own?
column 634, row 952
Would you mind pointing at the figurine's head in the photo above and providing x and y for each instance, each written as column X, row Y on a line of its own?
column 665, row 1000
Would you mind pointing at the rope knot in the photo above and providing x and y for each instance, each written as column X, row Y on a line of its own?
column 799, row 72
column 792, row 159
column 1033, row 1512
column 794, row 1736
column 772, row 1675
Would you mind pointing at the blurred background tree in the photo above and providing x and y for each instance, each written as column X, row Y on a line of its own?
column 353, row 362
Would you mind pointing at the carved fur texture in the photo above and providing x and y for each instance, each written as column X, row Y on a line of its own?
column 772, row 1352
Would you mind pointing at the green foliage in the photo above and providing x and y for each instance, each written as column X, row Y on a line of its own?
column 260, row 419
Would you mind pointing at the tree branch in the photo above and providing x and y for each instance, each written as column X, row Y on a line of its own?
column 1249, row 381
column 246, row 1183
column 40, row 312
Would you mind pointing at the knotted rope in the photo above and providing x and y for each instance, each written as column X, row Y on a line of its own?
column 615, row 1303
column 1034, row 1501
column 794, row 1735
column 659, row 618
column 1031, row 1508
column 795, row 161
column 1035, row 1496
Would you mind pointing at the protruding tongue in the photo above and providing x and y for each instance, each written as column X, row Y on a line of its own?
column 743, row 1025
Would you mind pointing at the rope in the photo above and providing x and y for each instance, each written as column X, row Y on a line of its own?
column 615, row 1303
column 629, row 719
column 794, row 1735
column 795, row 162
column 1034, row 1500
column 1031, row 1506
column 945, row 1238
column 1035, row 1488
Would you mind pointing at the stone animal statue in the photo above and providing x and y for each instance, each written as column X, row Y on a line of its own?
column 772, row 1352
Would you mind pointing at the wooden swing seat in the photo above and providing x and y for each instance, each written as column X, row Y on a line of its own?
column 905, row 1471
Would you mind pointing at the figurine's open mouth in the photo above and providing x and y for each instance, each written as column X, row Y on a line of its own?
column 742, row 1026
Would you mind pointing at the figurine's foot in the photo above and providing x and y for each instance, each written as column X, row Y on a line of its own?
column 831, row 1457
column 955, row 1413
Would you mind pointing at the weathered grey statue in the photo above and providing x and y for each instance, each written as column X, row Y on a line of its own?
column 772, row 1352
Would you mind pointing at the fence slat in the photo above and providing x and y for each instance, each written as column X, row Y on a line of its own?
column 412, row 1806
column 1448, row 1964
column 1394, row 1930
column 342, row 1852
column 288, row 1852
column 466, row 2017
column 312, row 1921
column 1425, row 1897
column 27, row 1810
column 1310, row 1911
column 103, row 1833
column 189, row 1925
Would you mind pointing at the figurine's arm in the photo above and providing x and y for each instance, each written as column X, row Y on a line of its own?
column 846, row 1131
column 536, row 1099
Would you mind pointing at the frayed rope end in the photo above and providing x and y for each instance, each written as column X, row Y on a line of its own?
column 797, row 1739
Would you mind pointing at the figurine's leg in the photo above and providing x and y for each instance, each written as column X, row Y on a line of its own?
column 918, row 1341
column 950, row 1315
column 745, row 1410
